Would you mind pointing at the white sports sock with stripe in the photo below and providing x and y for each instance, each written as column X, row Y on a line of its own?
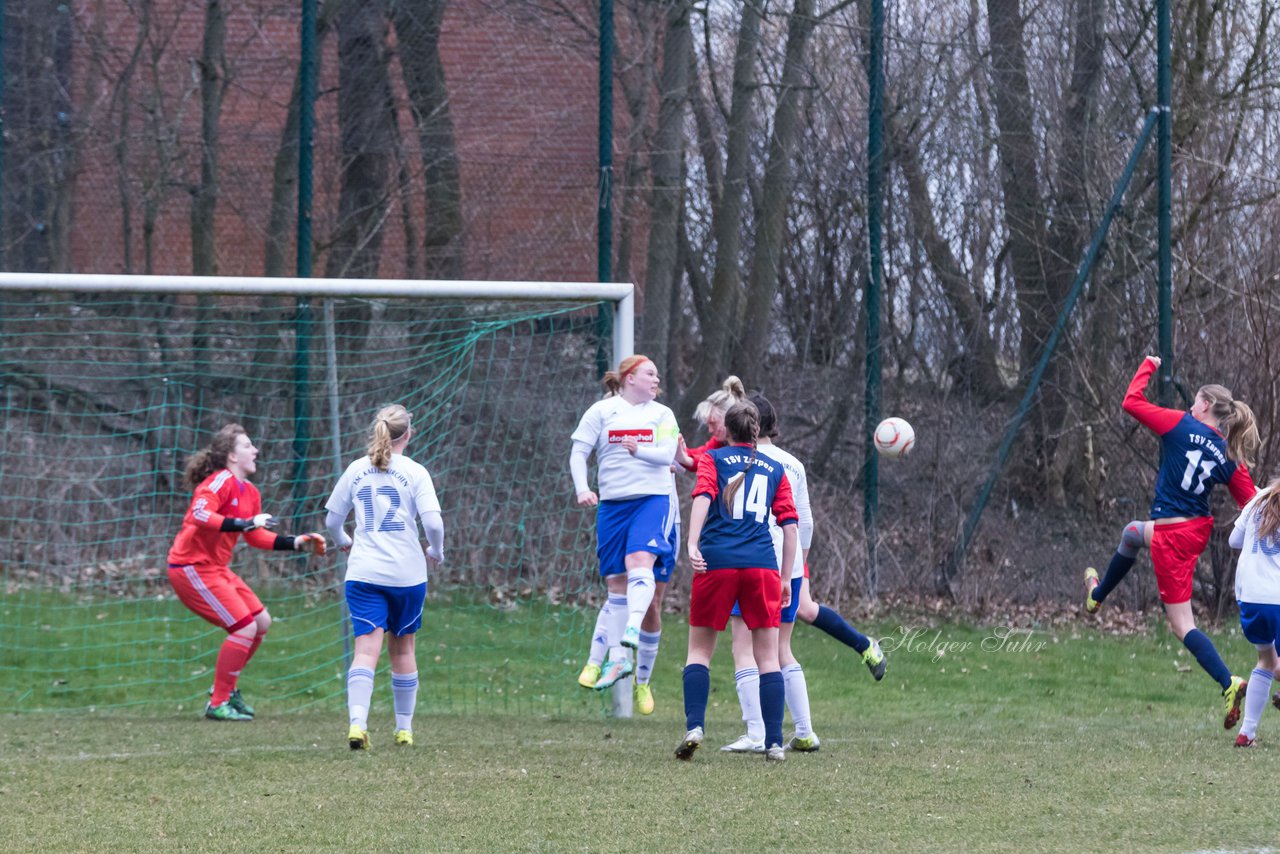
column 600, row 637
column 359, row 695
column 617, row 624
column 646, row 655
column 640, row 588
column 797, row 692
column 748, row 683
column 404, row 696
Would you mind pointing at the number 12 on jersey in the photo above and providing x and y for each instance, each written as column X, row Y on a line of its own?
column 367, row 496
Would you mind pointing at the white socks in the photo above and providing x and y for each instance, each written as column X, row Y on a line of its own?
column 797, row 692
column 404, row 693
column 1255, row 700
column 748, row 683
column 640, row 587
column 600, row 636
column 359, row 695
column 646, row 655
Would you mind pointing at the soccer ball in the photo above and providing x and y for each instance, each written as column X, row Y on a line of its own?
column 894, row 437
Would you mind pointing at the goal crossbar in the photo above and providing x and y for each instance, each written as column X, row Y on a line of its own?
column 620, row 294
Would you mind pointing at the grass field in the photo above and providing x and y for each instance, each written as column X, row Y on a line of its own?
column 1063, row 739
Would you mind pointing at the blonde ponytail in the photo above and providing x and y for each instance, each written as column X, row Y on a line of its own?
column 730, row 392
column 1236, row 422
column 389, row 425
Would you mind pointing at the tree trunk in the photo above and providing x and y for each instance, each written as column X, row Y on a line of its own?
column 365, row 120
column 213, row 71
column 775, row 195
column 284, row 173
column 720, row 330
column 976, row 368
column 663, row 258
column 418, row 33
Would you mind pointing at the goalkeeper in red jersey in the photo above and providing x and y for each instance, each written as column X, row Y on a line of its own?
column 225, row 506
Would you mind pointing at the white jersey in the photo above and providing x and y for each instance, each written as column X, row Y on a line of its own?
column 1258, row 572
column 800, row 495
column 386, row 548
column 619, row 474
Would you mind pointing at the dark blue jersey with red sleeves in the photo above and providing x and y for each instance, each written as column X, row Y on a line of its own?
column 1193, row 456
column 738, row 537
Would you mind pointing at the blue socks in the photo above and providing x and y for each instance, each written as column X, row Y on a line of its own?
column 834, row 624
column 1202, row 648
column 697, row 688
column 1116, row 571
column 773, row 693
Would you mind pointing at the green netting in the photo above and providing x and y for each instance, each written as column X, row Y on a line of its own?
column 104, row 398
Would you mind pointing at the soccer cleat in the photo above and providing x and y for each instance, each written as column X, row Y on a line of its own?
column 224, row 712
column 1275, row 699
column 1091, row 605
column 874, row 659
column 775, row 753
column 1243, row 740
column 237, row 702
column 1233, row 695
column 589, row 676
column 613, row 671
column 358, row 738
column 692, row 741
column 807, row 744
column 404, row 738
column 644, row 698
column 631, row 638
column 744, row 744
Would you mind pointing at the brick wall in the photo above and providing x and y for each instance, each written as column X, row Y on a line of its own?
column 524, row 105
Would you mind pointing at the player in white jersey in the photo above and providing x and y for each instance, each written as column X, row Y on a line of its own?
column 634, row 439
column 386, row 581
column 1257, row 535
column 746, row 675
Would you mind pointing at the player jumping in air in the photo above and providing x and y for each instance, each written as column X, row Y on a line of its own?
column 224, row 506
column 386, row 581
column 634, row 439
column 1213, row 443
column 732, row 555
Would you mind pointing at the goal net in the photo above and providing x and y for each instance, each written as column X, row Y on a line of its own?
column 108, row 384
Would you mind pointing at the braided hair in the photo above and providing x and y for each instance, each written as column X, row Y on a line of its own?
column 742, row 423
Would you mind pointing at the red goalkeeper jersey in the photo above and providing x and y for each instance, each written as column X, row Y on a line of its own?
column 202, row 540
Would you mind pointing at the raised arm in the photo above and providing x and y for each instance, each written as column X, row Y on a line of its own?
column 1155, row 418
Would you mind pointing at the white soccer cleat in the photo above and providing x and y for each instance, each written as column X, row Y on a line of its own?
column 744, row 744
column 775, row 753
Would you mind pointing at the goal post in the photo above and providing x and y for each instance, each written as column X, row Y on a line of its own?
column 109, row 382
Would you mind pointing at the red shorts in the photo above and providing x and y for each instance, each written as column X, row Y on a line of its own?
column 1175, row 548
column 757, row 591
column 216, row 593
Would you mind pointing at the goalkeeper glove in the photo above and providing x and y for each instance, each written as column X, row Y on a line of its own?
column 262, row 520
column 309, row 543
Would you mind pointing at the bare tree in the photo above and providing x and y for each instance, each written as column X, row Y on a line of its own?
column 418, row 33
